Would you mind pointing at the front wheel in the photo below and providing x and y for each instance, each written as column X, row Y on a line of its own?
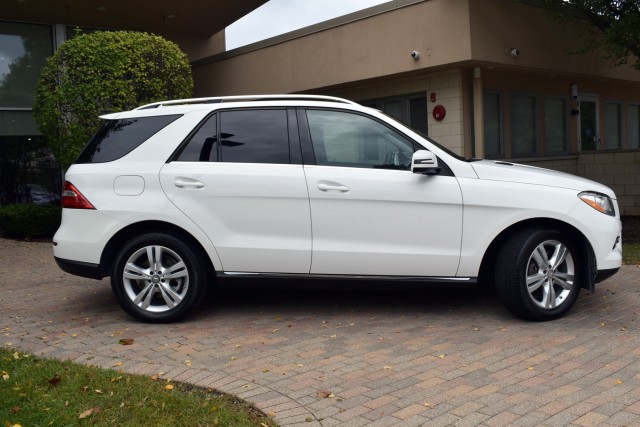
column 158, row 278
column 537, row 274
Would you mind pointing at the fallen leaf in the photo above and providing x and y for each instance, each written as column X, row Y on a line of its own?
column 16, row 409
column 426, row 404
column 89, row 412
column 265, row 371
column 238, row 345
column 118, row 363
column 98, row 391
column 126, row 341
column 187, row 362
column 619, row 381
column 168, row 387
column 55, row 380
column 5, row 375
column 16, row 355
column 441, row 356
column 74, row 335
column 530, row 368
column 154, row 377
column 387, row 367
column 323, row 394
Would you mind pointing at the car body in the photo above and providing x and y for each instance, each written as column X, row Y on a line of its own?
column 171, row 196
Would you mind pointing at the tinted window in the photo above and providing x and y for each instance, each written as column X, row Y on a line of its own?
column 201, row 146
column 119, row 137
column 254, row 136
column 345, row 139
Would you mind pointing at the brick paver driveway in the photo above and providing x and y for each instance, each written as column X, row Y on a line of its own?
column 402, row 357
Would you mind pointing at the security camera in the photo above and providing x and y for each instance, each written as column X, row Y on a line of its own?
column 515, row 52
column 415, row 55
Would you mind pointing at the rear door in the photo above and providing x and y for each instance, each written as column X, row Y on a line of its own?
column 239, row 178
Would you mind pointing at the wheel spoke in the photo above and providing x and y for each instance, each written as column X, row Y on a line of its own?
column 151, row 258
column 559, row 255
column 562, row 280
column 176, row 270
column 169, row 295
column 534, row 282
column 549, row 296
column 540, row 257
column 133, row 272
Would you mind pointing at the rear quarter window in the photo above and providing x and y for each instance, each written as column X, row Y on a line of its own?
column 118, row 138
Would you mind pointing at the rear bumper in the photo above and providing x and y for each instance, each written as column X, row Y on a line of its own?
column 605, row 274
column 79, row 268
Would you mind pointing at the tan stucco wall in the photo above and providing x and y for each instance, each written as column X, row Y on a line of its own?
column 497, row 26
column 374, row 47
column 198, row 47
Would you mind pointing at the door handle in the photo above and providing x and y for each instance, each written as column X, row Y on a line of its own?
column 187, row 182
column 332, row 186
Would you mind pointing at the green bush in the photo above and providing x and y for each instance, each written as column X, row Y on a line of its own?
column 104, row 72
column 29, row 220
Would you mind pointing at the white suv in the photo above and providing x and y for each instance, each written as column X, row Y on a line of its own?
column 172, row 196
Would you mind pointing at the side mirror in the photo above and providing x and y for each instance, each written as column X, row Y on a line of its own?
column 424, row 162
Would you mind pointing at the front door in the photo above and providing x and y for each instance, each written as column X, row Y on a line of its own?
column 370, row 214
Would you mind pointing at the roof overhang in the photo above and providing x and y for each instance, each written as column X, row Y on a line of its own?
column 193, row 17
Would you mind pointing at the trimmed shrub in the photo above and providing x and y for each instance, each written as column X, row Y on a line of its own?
column 104, row 72
column 26, row 220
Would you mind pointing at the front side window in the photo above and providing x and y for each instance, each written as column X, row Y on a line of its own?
column 353, row 140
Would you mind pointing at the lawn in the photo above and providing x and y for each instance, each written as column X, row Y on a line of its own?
column 41, row 392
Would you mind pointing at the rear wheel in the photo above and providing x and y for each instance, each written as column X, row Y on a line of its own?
column 158, row 278
column 537, row 274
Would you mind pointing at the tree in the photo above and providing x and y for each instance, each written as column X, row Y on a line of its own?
column 104, row 72
column 610, row 25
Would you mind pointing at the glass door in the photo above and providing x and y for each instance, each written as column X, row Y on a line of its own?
column 588, row 124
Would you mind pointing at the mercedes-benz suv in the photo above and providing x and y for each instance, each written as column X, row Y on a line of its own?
column 171, row 197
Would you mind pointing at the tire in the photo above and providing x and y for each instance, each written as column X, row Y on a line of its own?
column 538, row 274
column 158, row 278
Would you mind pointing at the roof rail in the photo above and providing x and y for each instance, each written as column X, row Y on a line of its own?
column 219, row 99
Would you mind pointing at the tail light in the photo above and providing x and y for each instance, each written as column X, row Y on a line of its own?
column 73, row 199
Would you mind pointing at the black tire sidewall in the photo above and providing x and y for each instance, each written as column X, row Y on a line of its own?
column 193, row 263
column 511, row 274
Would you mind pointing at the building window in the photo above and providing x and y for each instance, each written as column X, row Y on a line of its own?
column 28, row 172
column 633, row 126
column 555, row 125
column 612, row 125
column 524, row 138
column 492, row 112
column 409, row 109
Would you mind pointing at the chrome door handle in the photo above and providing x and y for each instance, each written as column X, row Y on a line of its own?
column 187, row 182
column 324, row 186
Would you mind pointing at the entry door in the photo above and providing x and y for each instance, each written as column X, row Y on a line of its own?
column 370, row 214
column 589, row 123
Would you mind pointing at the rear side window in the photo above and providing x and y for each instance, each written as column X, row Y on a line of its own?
column 118, row 138
column 254, row 136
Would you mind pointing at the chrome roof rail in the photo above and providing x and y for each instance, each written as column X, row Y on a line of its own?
column 219, row 99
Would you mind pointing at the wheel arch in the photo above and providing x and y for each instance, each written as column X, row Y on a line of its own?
column 121, row 237
column 587, row 267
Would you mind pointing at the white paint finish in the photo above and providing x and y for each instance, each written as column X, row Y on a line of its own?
column 388, row 223
column 257, row 215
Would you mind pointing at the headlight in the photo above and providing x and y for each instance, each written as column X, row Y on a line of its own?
column 599, row 202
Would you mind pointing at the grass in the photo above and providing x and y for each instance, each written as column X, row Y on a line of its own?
column 42, row 392
column 631, row 253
